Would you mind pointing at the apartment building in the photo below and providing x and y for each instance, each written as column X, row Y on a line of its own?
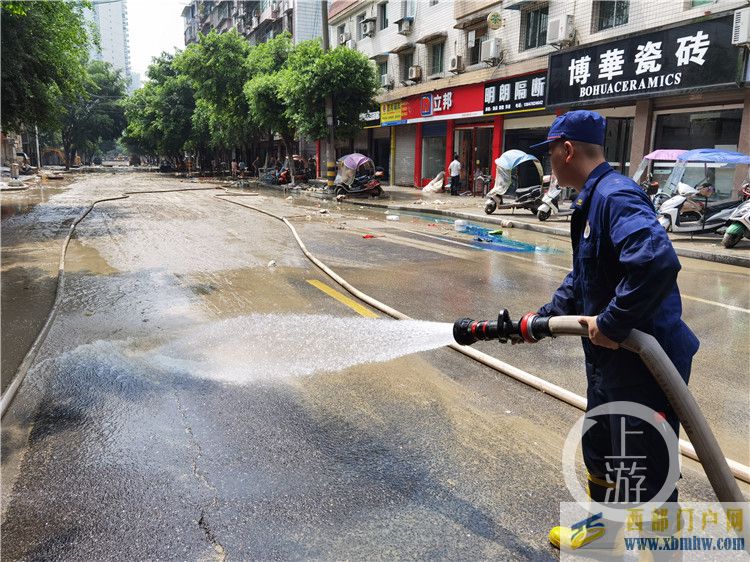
column 257, row 20
column 477, row 77
column 110, row 17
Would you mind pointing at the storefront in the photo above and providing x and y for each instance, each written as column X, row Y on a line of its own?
column 465, row 120
column 676, row 87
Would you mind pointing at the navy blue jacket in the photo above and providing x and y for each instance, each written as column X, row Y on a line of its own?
column 625, row 273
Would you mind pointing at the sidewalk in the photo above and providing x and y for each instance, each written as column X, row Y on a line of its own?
column 704, row 247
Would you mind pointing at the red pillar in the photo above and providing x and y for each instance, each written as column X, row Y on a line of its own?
column 317, row 158
column 448, row 147
column 497, row 141
column 418, row 157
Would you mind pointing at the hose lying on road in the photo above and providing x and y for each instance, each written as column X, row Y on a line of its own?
column 707, row 452
column 23, row 368
column 708, row 449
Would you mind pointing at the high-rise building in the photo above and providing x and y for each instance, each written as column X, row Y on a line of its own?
column 110, row 17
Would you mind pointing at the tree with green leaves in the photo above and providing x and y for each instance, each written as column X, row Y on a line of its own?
column 159, row 115
column 267, row 63
column 311, row 74
column 217, row 68
column 94, row 116
column 44, row 50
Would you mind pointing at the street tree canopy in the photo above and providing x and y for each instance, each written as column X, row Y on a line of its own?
column 97, row 114
column 217, row 68
column 44, row 50
column 311, row 74
column 159, row 114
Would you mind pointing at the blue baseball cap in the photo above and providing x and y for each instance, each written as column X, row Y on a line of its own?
column 579, row 125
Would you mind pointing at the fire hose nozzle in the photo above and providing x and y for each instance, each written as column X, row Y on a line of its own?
column 530, row 329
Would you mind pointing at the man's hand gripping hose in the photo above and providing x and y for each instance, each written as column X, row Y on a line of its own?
column 532, row 328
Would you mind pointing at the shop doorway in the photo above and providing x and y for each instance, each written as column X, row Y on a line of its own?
column 523, row 139
column 382, row 155
column 617, row 143
column 474, row 148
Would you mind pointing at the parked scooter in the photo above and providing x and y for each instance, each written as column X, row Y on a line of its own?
column 682, row 214
column 551, row 201
column 739, row 220
column 357, row 174
column 527, row 197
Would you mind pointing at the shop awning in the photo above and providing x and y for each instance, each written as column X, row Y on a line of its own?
column 405, row 48
column 433, row 37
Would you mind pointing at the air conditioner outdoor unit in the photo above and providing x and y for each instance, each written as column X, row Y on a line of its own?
column 741, row 27
column 456, row 64
column 405, row 26
column 386, row 81
column 368, row 28
column 415, row 73
column 491, row 50
column 343, row 38
column 560, row 30
column 352, row 44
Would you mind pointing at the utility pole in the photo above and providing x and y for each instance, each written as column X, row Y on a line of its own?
column 330, row 145
column 38, row 155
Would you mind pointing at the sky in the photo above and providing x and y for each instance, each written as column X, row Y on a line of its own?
column 154, row 26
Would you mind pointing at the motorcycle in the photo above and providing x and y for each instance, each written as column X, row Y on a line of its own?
column 681, row 213
column 551, row 202
column 357, row 174
column 739, row 220
column 527, row 197
column 649, row 185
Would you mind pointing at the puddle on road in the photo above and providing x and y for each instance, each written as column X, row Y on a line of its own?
column 481, row 237
column 267, row 347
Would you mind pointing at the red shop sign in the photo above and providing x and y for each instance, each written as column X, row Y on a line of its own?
column 450, row 103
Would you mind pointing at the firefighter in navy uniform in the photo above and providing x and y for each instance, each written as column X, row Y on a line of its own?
column 623, row 278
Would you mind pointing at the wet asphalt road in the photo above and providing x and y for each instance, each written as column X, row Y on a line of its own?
column 119, row 448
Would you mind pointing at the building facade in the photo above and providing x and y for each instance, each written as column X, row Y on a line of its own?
column 256, row 20
column 110, row 18
column 479, row 77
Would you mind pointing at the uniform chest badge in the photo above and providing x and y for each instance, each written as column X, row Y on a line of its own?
column 587, row 230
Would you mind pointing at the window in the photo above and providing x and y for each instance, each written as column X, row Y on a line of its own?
column 694, row 3
column 433, row 2
column 360, row 21
column 383, row 68
column 340, row 31
column 610, row 13
column 382, row 15
column 436, row 58
column 474, row 40
column 410, row 8
column 407, row 61
column 534, row 28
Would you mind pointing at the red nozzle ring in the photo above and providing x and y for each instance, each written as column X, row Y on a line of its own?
column 525, row 327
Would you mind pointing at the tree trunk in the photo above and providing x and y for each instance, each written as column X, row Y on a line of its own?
column 290, row 159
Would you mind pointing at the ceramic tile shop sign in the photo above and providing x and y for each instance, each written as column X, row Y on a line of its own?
column 683, row 59
column 515, row 95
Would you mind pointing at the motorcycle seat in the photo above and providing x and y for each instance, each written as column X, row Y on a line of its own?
column 526, row 190
column 723, row 205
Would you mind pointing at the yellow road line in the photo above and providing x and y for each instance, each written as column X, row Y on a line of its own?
column 343, row 299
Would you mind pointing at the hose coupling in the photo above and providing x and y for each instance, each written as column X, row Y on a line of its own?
column 530, row 329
